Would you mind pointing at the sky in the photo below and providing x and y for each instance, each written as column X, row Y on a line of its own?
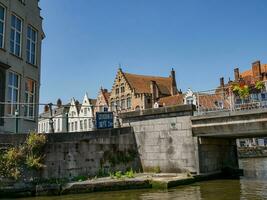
column 203, row 40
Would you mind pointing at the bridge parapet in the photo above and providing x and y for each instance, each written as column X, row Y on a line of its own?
column 239, row 124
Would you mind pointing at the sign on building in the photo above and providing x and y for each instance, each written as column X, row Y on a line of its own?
column 104, row 120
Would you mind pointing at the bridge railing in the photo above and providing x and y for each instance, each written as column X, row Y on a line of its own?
column 224, row 100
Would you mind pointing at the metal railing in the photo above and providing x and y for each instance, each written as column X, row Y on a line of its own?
column 223, row 100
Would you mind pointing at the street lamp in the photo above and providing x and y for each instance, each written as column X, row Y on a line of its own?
column 17, row 121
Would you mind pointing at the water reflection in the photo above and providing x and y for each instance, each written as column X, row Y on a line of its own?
column 244, row 189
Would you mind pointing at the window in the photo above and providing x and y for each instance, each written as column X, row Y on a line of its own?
column 31, row 45
column 149, row 101
column 122, row 88
column 15, row 35
column 112, row 106
column 123, row 104
column 72, row 126
column 85, row 111
column 85, row 124
column 30, row 87
column 13, row 92
column 189, row 100
column 117, row 90
column 90, row 123
column 2, row 26
column 76, row 126
column 129, row 102
column 81, row 125
column 117, row 104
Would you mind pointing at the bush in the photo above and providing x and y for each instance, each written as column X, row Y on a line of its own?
column 14, row 159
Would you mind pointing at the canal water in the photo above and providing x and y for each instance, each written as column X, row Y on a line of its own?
column 251, row 187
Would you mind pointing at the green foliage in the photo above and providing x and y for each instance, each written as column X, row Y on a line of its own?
column 130, row 174
column 120, row 175
column 241, row 91
column 259, row 85
column 14, row 159
column 34, row 162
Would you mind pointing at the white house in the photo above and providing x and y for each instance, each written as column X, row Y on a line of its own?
column 60, row 120
column 81, row 116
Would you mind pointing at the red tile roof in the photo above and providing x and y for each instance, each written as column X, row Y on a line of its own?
column 248, row 73
column 141, row 83
column 172, row 100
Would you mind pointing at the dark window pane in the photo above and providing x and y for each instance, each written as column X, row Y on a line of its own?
column 13, row 21
column 18, row 25
column 2, row 13
column 1, row 28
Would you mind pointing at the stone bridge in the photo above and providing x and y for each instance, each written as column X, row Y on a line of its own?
column 174, row 140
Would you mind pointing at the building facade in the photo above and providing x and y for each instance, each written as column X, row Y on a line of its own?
column 81, row 116
column 21, row 36
column 133, row 92
column 102, row 101
column 59, row 117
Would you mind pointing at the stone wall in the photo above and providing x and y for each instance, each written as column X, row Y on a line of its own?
column 75, row 154
column 164, row 138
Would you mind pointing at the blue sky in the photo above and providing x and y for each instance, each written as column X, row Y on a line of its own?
column 201, row 39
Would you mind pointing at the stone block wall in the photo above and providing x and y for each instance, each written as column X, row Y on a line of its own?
column 164, row 139
column 70, row 155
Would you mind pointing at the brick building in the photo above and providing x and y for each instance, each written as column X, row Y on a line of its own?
column 102, row 101
column 132, row 92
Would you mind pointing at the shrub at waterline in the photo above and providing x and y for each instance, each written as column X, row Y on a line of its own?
column 29, row 155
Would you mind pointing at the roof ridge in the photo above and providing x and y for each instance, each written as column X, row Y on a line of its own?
column 146, row 75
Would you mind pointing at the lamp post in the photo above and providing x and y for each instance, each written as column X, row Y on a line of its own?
column 17, row 121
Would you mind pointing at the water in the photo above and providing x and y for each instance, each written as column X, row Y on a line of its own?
column 244, row 189
column 251, row 187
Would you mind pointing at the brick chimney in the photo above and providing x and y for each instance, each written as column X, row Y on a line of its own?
column 222, row 82
column 237, row 76
column 154, row 91
column 174, row 85
column 256, row 70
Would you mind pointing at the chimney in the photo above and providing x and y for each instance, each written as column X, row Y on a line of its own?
column 222, row 82
column 46, row 108
column 256, row 70
column 237, row 76
column 174, row 85
column 153, row 90
column 59, row 103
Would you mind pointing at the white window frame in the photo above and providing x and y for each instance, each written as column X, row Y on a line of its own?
column 16, row 32
column 31, row 41
column 4, row 27
column 13, row 88
column 27, row 101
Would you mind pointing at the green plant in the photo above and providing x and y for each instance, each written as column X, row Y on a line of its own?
column 130, row 174
column 241, row 90
column 259, row 85
column 118, row 174
column 14, row 159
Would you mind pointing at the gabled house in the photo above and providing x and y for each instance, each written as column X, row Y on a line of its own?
column 102, row 101
column 73, row 116
column 133, row 92
column 81, row 116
